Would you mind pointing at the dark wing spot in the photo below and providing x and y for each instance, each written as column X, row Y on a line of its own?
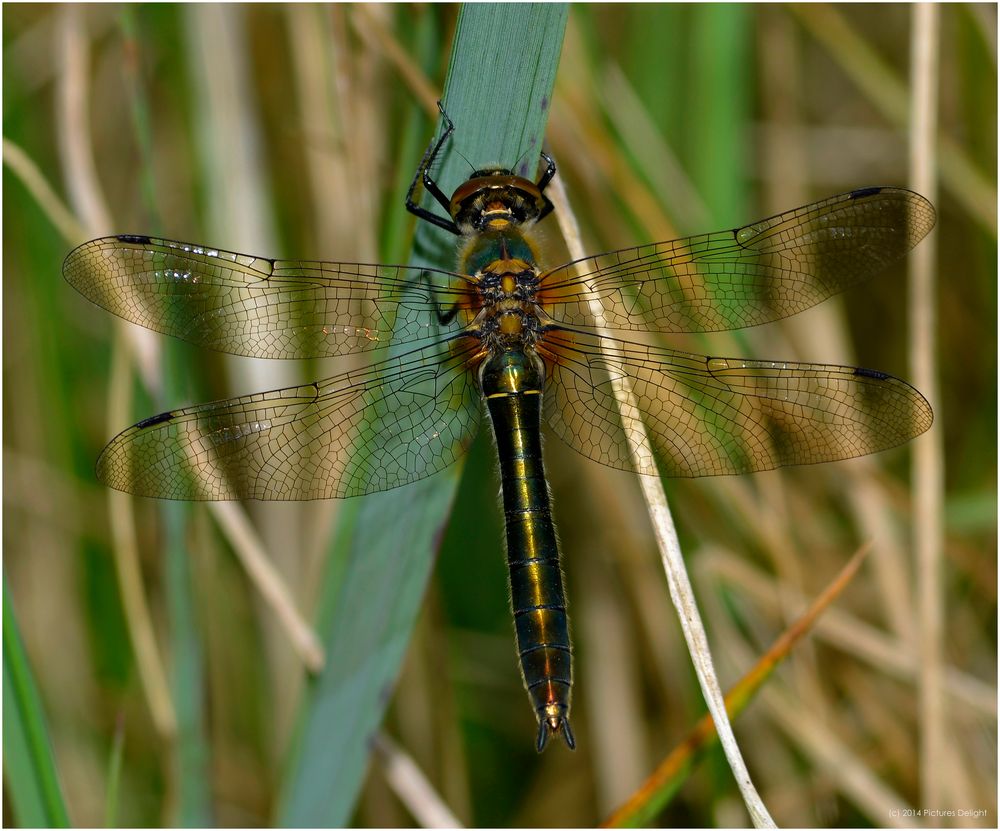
column 154, row 420
column 137, row 239
column 871, row 373
column 861, row 193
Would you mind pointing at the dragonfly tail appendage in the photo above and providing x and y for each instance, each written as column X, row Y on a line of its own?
column 550, row 725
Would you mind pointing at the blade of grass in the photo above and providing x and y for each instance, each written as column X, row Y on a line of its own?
column 928, row 461
column 374, row 32
column 29, row 769
column 34, row 180
column 679, row 584
column 803, row 720
column 412, row 787
column 384, row 551
column 190, row 748
column 719, row 138
column 718, row 135
column 115, row 773
column 851, row 773
column 88, row 202
column 654, row 794
column 863, row 641
column 235, row 524
column 965, row 183
column 655, row 159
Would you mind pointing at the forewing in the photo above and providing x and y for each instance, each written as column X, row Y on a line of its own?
column 352, row 434
column 265, row 308
column 744, row 277
column 710, row 416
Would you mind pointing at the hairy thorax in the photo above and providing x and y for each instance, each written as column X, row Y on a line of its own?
column 503, row 263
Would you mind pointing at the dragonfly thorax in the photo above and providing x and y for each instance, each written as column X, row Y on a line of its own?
column 509, row 323
column 498, row 252
column 495, row 200
column 507, row 283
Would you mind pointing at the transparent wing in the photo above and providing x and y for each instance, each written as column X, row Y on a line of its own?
column 709, row 416
column 265, row 308
column 743, row 277
column 355, row 433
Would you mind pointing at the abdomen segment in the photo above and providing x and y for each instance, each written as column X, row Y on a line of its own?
column 537, row 595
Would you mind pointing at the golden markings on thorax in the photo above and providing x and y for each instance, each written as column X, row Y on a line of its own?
column 507, row 267
column 511, row 324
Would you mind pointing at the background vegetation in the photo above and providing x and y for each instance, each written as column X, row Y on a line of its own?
column 294, row 131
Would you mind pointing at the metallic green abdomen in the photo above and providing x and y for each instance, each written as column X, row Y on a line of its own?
column 512, row 383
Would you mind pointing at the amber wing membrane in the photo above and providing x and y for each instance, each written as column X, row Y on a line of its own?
column 744, row 277
column 355, row 433
column 706, row 416
column 264, row 308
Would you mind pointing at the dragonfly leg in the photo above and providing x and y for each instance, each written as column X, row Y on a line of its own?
column 444, row 316
column 547, row 176
column 424, row 174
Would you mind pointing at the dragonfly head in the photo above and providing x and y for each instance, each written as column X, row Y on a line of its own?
column 495, row 199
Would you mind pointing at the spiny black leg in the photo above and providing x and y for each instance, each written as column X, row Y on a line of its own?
column 435, row 191
column 547, row 176
column 429, row 183
column 423, row 174
column 547, row 208
column 444, row 317
column 432, row 153
column 433, row 218
column 448, row 123
column 550, row 171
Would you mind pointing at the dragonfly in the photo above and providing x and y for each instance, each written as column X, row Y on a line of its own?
column 503, row 339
